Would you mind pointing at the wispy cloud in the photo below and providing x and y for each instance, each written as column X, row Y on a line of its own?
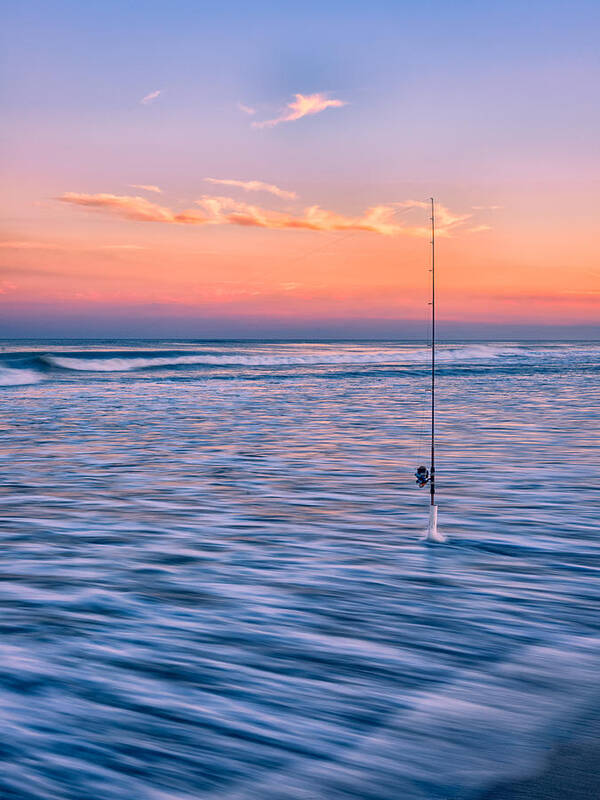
column 146, row 187
column 302, row 106
column 381, row 219
column 64, row 248
column 150, row 98
column 480, row 228
column 227, row 211
column 136, row 208
column 22, row 271
column 246, row 109
column 28, row 245
column 254, row 186
column 567, row 297
column 7, row 286
column 486, row 208
column 124, row 247
column 446, row 220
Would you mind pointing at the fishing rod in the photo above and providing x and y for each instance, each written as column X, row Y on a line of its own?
column 427, row 476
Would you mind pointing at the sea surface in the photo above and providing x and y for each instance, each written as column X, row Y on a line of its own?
column 213, row 582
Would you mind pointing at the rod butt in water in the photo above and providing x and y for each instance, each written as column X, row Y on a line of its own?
column 433, row 534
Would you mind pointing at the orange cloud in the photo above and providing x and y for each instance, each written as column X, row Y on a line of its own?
column 254, row 186
column 381, row 219
column 226, row 210
column 376, row 219
column 246, row 109
column 137, row 208
column 302, row 106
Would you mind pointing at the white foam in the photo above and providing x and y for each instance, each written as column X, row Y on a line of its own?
column 337, row 356
column 19, row 377
column 489, row 725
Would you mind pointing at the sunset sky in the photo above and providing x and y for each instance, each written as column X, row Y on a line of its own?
column 261, row 169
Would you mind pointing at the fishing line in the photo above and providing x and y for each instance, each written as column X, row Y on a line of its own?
column 423, row 426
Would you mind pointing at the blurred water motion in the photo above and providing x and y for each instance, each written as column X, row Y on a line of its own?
column 213, row 584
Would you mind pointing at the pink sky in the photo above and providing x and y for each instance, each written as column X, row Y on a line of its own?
column 298, row 193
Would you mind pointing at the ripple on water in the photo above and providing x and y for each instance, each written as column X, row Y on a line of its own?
column 213, row 584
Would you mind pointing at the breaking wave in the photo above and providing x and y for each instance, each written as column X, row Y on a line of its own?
column 19, row 377
column 34, row 366
column 420, row 355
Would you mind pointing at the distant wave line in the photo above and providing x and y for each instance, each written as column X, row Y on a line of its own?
column 134, row 363
column 498, row 356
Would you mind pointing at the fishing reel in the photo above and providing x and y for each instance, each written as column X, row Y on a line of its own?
column 422, row 476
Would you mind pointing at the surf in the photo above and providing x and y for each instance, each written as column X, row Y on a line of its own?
column 19, row 377
column 419, row 356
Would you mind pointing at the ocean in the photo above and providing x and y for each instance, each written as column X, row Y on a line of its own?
column 213, row 582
